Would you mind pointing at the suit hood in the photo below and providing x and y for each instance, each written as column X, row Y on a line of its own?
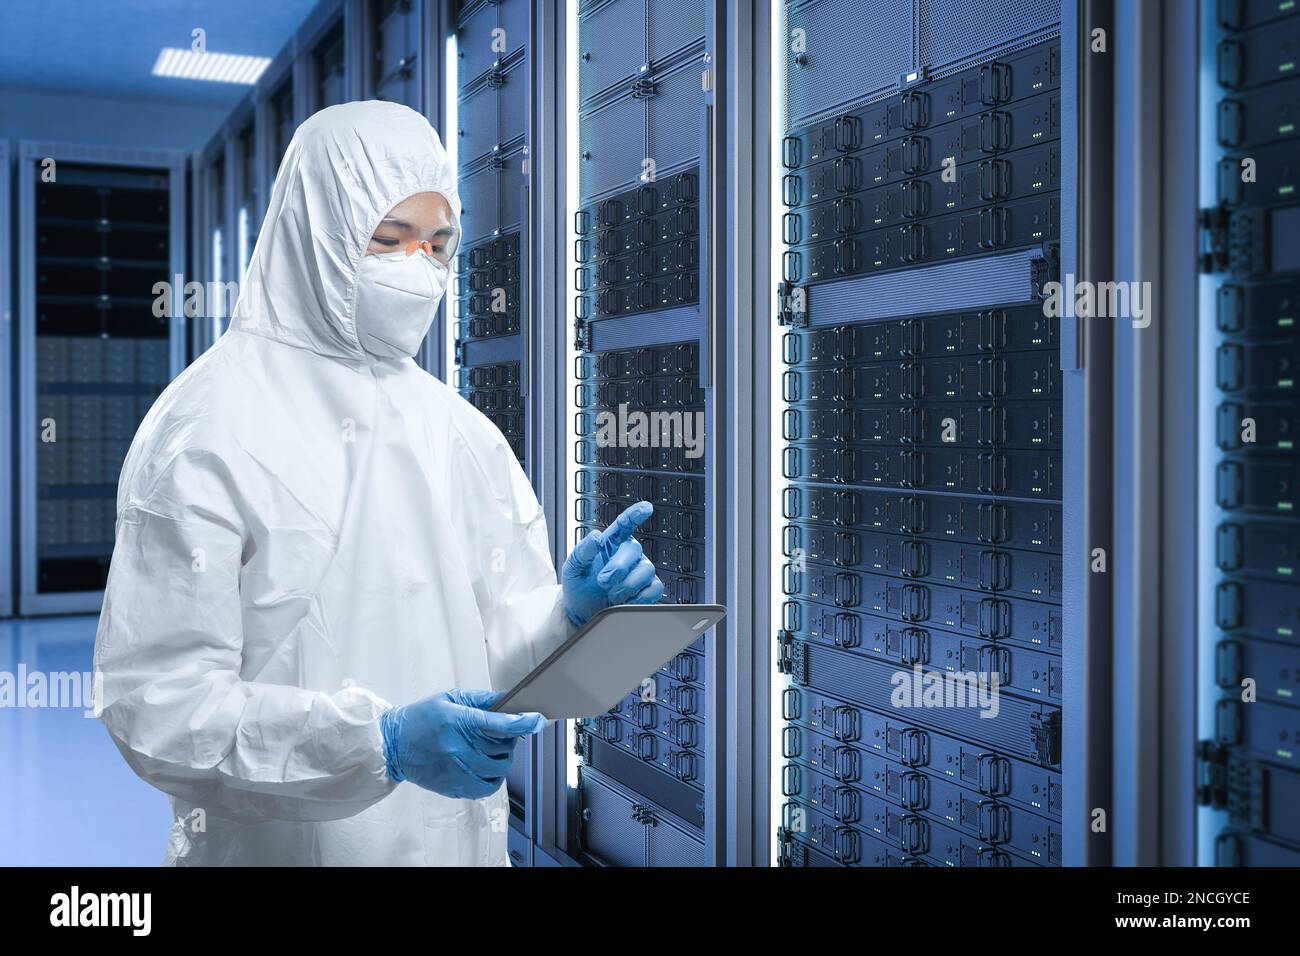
column 345, row 168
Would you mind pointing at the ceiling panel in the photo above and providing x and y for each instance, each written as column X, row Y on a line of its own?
column 109, row 48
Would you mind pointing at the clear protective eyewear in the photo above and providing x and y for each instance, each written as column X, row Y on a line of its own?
column 403, row 237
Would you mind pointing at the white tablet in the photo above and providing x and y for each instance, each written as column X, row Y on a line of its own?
column 608, row 658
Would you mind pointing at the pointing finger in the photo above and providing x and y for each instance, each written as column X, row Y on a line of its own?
column 626, row 523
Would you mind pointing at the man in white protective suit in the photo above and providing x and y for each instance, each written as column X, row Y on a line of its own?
column 311, row 530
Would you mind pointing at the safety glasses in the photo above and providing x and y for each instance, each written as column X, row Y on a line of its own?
column 398, row 235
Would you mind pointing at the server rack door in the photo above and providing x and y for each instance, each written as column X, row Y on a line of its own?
column 99, row 341
column 645, row 407
column 329, row 70
column 1250, row 413
column 491, row 302
column 6, row 398
column 266, row 154
column 249, row 200
column 217, row 306
column 282, row 124
column 921, row 631
column 395, row 49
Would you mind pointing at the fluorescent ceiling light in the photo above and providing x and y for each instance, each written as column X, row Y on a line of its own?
column 217, row 67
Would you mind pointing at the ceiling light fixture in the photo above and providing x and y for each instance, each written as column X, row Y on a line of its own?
column 215, row 67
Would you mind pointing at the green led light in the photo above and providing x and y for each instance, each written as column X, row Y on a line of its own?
column 1284, row 506
column 1285, row 190
column 1286, row 128
column 1284, row 631
column 1284, row 444
column 1286, row 322
column 1286, row 754
column 1284, row 383
column 1285, row 5
column 1286, row 67
column 1283, row 692
column 1283, row 570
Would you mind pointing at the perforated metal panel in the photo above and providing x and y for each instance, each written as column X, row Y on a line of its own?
column 610, row 830
column 953, row 30
column 513, row 22
column 474, row 40
column 611, row 146
column 672, row 26
column 512, row 190
column 844, row 53
column 666, row 845
column 674, row 116
column 480, row 197
column 479, row 126
column 611, row 45
column 512, row 102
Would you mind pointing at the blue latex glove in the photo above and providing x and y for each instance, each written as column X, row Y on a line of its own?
column 608, row 568
column 450, row 744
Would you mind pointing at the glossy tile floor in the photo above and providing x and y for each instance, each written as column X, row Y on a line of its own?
column 66, row 796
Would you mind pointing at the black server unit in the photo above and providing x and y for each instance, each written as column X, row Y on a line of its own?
column 643, row 399
column 102, row 241
column 488, row 306
column 1251, row 246
column 921, row 625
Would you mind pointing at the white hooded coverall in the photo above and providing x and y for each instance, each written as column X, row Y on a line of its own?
column 306, row 534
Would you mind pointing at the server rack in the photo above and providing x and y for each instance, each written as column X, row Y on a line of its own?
column 94, row 354
column 396, row 59
column 1250, row 768
column 924, row 436
column 328, row 69
column 6, row 396
column 491, row 306
column 282, row 125
column 247, row 197
column 647, row 781
column 226, row 217
column 214, row 260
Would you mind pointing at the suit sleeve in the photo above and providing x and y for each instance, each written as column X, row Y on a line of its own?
column 168, row 661
column 509, row 554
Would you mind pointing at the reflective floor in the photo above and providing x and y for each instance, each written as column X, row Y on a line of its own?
column 66, row 795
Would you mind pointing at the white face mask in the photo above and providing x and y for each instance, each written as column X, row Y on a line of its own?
column 397, row 298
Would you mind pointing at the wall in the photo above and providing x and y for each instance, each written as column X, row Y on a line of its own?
column 79, row 118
